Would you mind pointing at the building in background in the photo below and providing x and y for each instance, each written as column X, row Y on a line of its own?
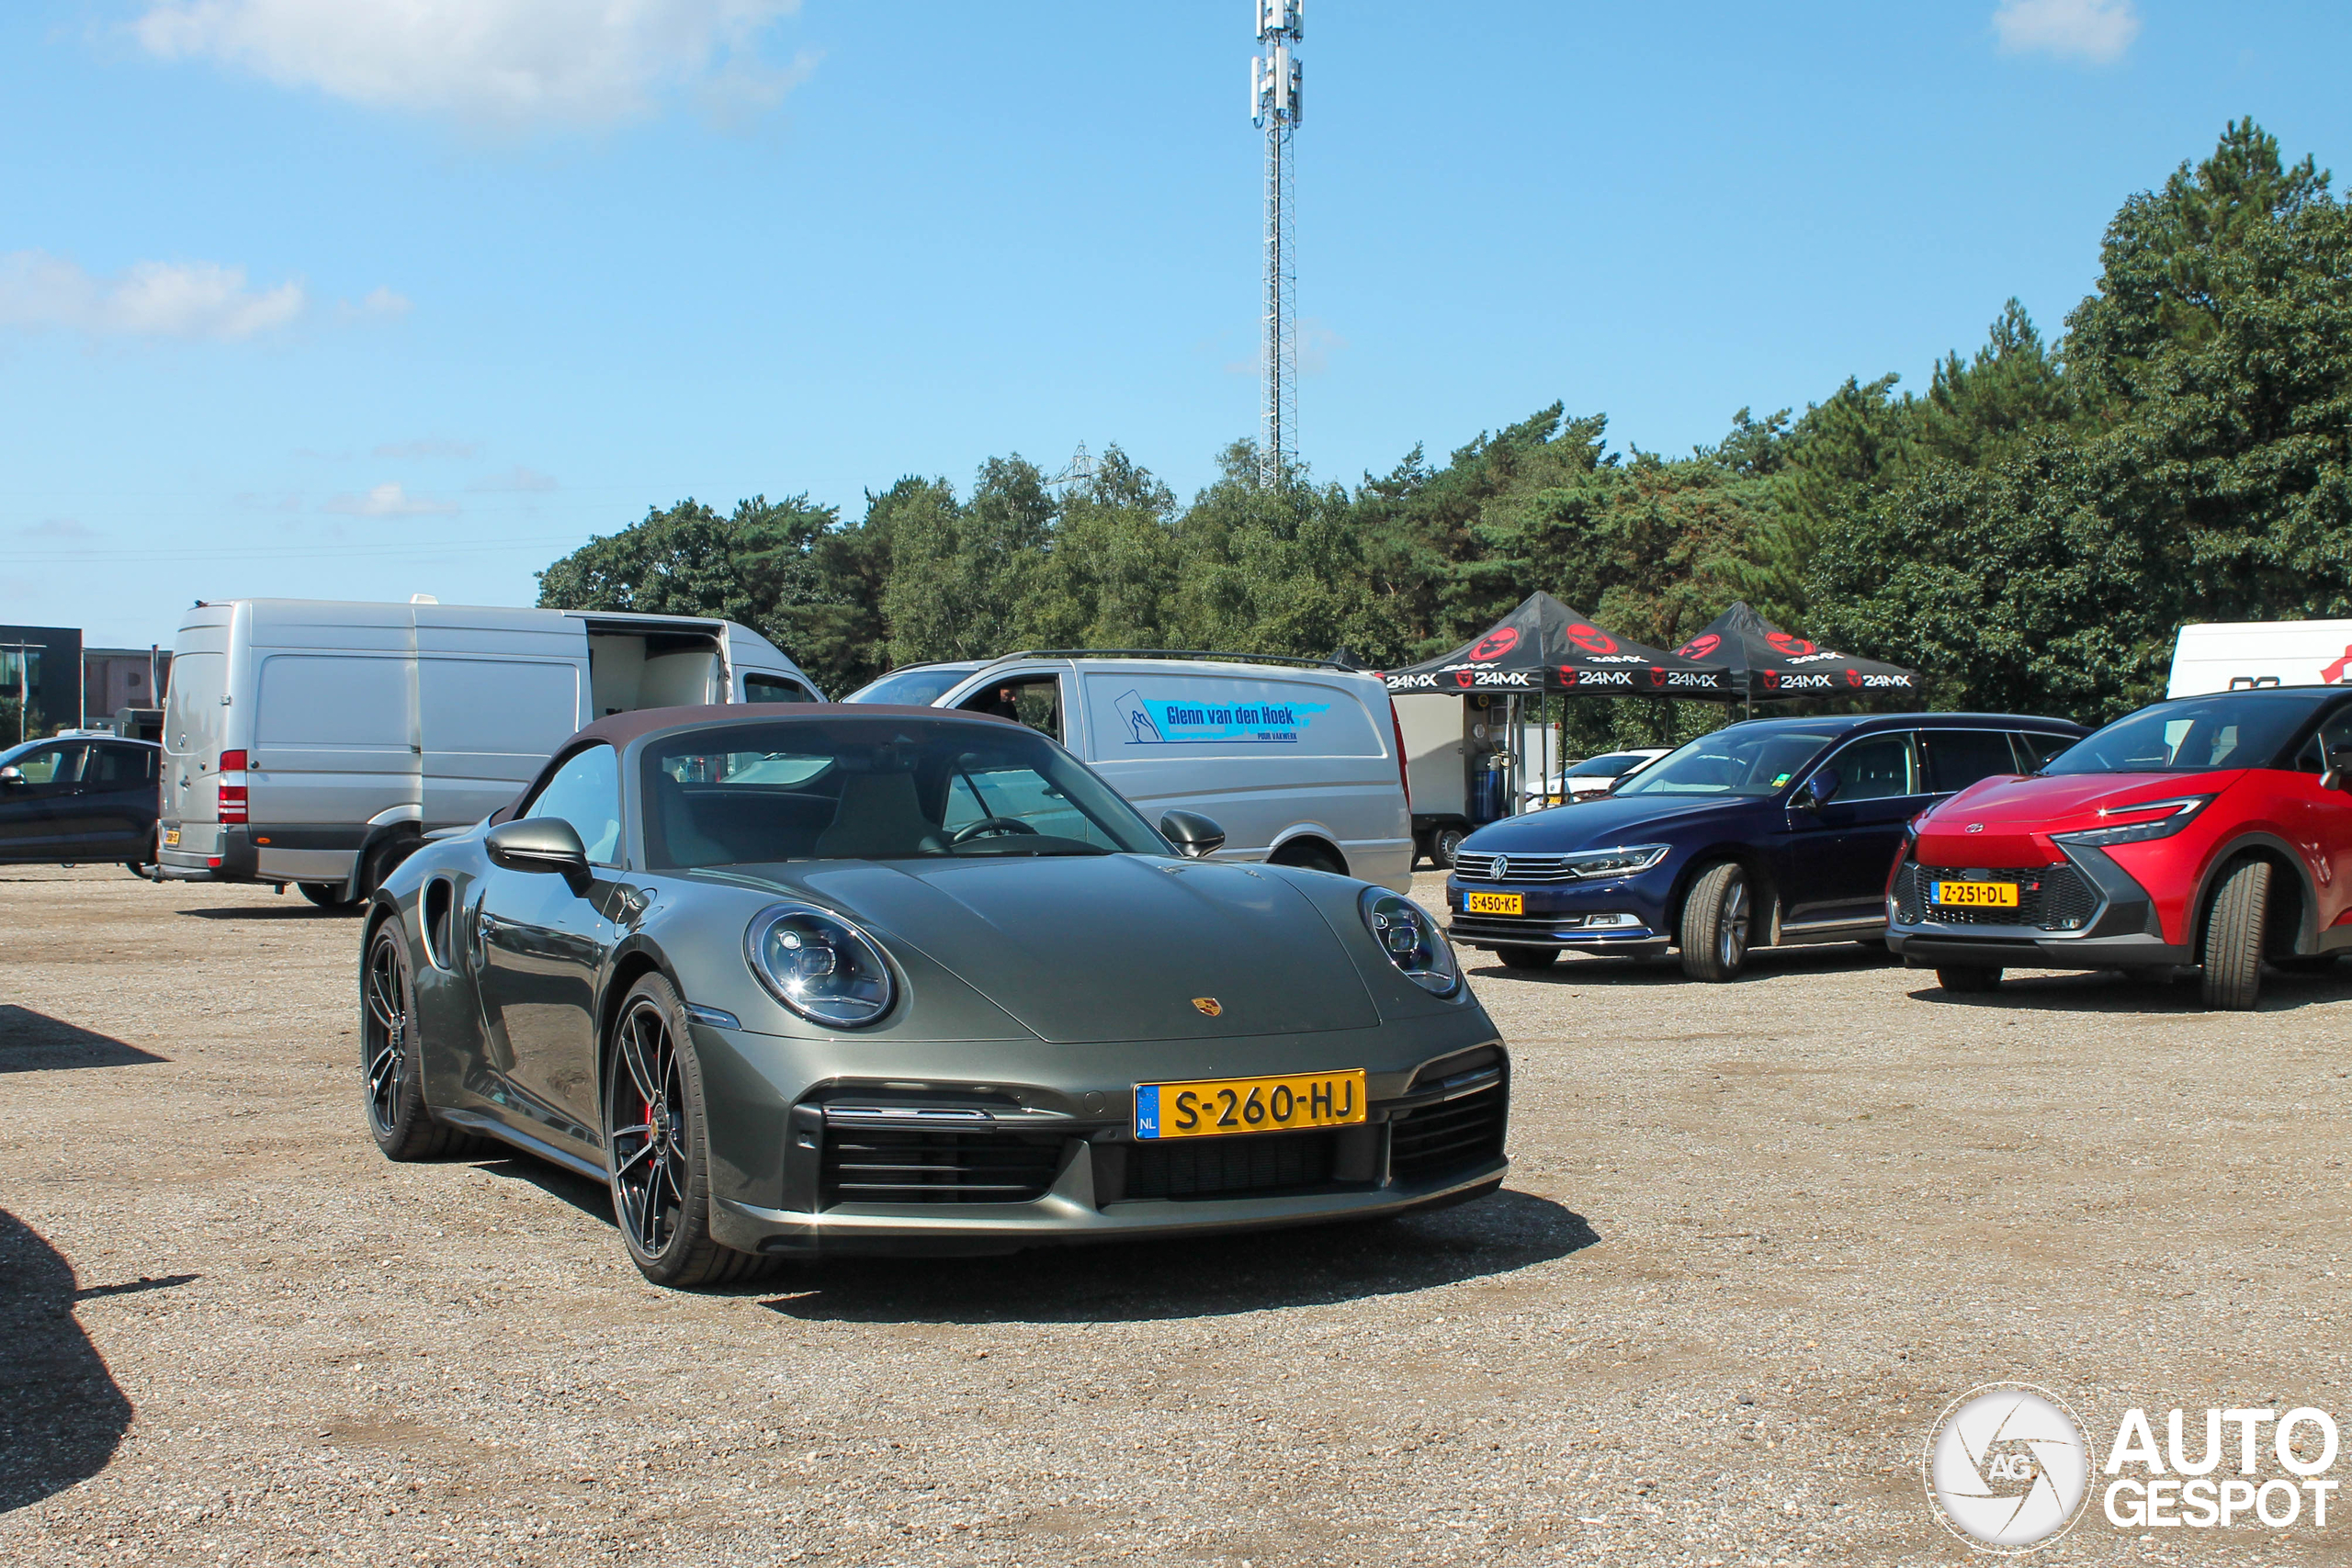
column 41, row 666
column 114, row 679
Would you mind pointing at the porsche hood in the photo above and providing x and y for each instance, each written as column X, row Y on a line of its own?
column 1107, row 948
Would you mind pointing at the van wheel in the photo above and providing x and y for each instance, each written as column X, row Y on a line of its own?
column 1527, row 957
column 1442, row 844
column 1968, row 979
column 1310, row 856
column 2234, row 933
column 1715, row 919
column 328, row 896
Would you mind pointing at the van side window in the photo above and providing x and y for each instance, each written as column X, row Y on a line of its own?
column 1036, row 701
column 760, row 688
column 586, row 793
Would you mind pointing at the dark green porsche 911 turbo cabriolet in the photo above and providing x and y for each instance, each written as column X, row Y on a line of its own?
column 827, row 979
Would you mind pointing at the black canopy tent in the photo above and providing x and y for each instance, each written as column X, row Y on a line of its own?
column 1543, row 647
column 1767, row 664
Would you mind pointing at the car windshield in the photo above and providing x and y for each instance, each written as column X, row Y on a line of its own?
column 1607, row 767
column 917, row 688
column 875, row 789
column 1739, row 761
column 2194, row 735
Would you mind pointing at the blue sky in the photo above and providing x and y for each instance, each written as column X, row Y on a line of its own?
column 358, row 299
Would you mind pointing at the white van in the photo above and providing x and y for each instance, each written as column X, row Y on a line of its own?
column 2235, row 656
column 1297, row 759
column 315, row 742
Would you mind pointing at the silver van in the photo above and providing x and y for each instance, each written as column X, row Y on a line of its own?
column 314, row 741
column 1296, row 760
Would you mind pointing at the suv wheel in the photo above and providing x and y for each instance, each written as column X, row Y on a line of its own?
column 2234, row 933
column 1715, row 919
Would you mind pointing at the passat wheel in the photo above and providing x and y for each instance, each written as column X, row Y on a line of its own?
column 1715, row 923
column 391, row 1056
column 1527, row 957
column 655, row 1145
column 2234, row 933
column 1968, row 979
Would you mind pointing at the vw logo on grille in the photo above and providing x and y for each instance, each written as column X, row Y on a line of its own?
column 1502, row 867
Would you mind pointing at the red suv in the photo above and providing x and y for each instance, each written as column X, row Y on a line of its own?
column 2213, row 831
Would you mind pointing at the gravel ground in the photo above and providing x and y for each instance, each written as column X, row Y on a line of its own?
column 1755, row 1236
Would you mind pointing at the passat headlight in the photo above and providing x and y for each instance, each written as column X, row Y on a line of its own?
column 1623, row 860
column 820, row 965
column 2148, row 819
column 1411, row 940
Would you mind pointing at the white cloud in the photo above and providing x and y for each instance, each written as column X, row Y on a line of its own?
column 510, row 63
column 2096, row 30
column 169, row 300
column 519, row 479
column 389, row 500
column 378, row 304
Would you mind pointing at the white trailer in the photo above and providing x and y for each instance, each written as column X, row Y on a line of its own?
column 2236, row 656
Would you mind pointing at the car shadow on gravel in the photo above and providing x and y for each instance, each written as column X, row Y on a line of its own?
column 1763, row 963
column 1317, row 1266
column 62, row 1414
column 294, row 909
column 2105, row 991
column 35, row 1042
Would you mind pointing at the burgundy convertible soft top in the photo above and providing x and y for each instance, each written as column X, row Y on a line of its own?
column 618, row 729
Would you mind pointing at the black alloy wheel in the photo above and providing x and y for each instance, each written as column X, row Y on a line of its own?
column 1715, row 922
column 655, row 1147
column 391, row 1056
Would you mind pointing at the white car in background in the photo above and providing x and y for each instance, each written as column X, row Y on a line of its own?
column 1596, row 776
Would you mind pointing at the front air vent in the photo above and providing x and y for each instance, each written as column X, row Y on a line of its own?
column 869, row 1165
column 1231, row 1168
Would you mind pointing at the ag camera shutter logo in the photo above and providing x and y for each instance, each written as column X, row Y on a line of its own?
column 2007, row 1467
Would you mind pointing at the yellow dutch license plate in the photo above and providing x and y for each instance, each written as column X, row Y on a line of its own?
column 1977, row 895
column 1212, row 1108
column 1493, row 904
column 171, row 838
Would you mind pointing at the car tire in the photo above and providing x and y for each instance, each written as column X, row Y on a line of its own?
column 392, row 1058
column 329, row 895
column 1716, row 919
column 1442, row 844
column 2234, row 927
column 1968, row 979
column 1527, row 957
column 657, row 1145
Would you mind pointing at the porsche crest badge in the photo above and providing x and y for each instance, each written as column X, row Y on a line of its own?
column 1208, row 1005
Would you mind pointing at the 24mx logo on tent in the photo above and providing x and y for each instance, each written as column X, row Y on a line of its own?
column 1591, row 638
column 1795, row 647
column 1700, row 646
column 1493, row 646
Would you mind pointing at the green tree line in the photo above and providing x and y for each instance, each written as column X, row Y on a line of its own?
column 2030, row 530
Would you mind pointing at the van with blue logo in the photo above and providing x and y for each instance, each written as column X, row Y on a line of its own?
column 1296, row 760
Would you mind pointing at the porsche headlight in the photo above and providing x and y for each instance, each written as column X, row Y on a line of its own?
column 820, row 965
column 1411, row 940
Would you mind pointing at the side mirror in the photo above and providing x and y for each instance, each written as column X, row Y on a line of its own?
column 1818, row 791
column 539, row 843
column 12, row 774
column 1194, row 835
column 2333, row 778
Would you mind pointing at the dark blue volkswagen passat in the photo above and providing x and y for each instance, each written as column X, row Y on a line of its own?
column 1773, row 833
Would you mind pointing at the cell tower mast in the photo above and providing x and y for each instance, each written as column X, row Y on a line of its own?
column 1275, row 99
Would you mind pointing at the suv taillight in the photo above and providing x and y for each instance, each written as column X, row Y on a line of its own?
column 233, row 786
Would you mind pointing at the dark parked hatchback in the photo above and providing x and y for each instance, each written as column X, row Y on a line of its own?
column 1774, row 832
column 79, row 800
